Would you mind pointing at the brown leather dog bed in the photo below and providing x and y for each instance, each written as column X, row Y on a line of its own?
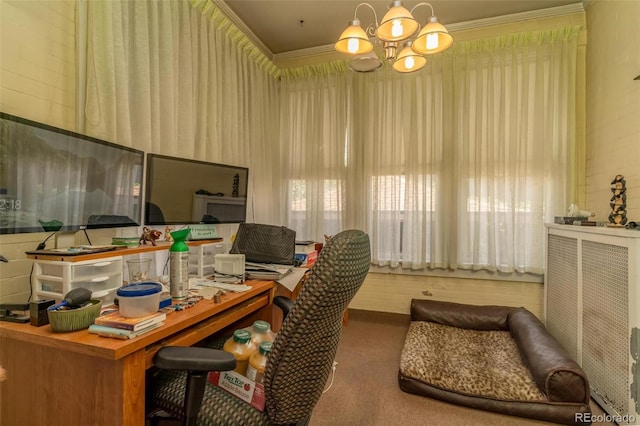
column 493, row 358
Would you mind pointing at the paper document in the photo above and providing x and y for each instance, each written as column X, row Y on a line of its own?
column 208, row 292
column 290, row 281
column 266, row 271
column 196, row 283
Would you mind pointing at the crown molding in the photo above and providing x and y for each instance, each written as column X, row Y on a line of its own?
column 458, row 26
column 224, row 8
column 517, row 17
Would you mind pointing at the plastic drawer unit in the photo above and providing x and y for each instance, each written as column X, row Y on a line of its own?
column 202, row 259
column 54, row 279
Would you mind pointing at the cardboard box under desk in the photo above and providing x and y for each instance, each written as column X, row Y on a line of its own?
column 240, row 386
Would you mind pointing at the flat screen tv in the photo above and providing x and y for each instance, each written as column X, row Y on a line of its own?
column 180, row 191
column 56, row 180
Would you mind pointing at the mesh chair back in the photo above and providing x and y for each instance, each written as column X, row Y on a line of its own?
column 305, row 347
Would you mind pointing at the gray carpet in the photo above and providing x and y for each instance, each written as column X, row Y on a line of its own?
column 365, row 388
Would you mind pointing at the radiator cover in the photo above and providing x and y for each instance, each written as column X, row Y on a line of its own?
column 591, row 307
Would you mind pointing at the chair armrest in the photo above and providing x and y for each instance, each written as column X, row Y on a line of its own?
column 283, row 303
column 194, row 359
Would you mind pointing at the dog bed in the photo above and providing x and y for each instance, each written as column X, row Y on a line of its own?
column 494, row 358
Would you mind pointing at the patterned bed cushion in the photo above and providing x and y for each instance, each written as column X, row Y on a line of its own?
column 470, row 362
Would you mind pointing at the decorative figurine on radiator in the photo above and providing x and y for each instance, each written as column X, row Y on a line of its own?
column 149, row 235
column 618, row 202
column 167, row 234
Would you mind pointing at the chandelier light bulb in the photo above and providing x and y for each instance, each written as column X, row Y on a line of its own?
column 397, row 24
column 432, row 41
column 353, row 45
column 432, row 38
column 409, row 62
column 354, row 40
column 397, row 28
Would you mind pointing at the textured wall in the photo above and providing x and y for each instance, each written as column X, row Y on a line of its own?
column 37, row 81
column 37, row 60
column 612, row 103
column 393, row 293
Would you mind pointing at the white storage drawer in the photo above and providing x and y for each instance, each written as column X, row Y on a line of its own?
column 54, row 279
column 50, row 285
column 202, row 258
column 98, row 283
column 98, row 271
column 50, row 269
column 205, row 270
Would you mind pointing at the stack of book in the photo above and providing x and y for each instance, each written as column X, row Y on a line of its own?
column 266, row 271
column 574, row 220
column 306, row 253
column 119, row 327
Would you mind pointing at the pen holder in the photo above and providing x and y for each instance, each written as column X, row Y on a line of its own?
column 74, row 319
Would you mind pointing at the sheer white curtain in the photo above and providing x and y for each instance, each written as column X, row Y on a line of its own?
column 457, row 166
column 177, row 78
column 513, row 128
column 314, row 117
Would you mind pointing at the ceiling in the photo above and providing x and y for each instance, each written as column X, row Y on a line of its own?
column 284, row 26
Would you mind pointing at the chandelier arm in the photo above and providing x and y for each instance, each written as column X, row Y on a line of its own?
column 371, row 30
column 424, row 3
column 375, row 16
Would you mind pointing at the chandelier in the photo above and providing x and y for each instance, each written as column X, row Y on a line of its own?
column 396, row 30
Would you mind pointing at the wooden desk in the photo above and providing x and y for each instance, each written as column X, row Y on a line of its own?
column 82, row 379
column 119, row 251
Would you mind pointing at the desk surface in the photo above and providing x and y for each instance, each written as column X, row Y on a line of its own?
column 84, row 342
column 118, row 251
column 101, row 379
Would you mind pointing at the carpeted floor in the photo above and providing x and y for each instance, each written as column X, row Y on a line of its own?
column 365, row 388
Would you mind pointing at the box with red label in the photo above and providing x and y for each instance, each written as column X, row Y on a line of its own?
column 240, row 386
column 307, row 259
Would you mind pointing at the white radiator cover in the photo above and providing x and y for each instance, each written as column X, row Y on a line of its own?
column 591, row 307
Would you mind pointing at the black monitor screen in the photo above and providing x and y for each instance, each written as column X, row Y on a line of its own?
column 53, row 179
column 181, row 191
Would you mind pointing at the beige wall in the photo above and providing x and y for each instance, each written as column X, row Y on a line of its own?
column 393, row 293
column 37, row 60
column 613, row 103
column 37, row 81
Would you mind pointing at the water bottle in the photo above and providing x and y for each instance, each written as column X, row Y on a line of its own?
column 179, row 265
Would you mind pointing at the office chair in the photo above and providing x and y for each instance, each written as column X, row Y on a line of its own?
column 301, row 359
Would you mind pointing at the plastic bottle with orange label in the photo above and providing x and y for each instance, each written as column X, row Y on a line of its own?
column 261, row 332
column 241, row 347
column 258, row 362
